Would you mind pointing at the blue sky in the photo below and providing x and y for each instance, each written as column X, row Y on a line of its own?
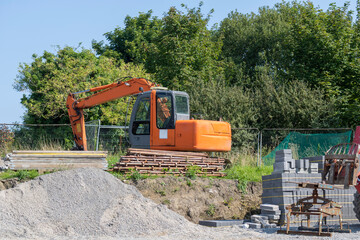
column 32, row 26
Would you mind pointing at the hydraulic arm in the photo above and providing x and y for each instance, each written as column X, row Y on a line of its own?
column 103, row 94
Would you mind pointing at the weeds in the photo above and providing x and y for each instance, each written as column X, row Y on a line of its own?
column 211, row 210
column 166, row 202
column 192, row 171
column 21, row 175
column 161, row 192
column 188, row 182
column 228, row 202
column 136, row 175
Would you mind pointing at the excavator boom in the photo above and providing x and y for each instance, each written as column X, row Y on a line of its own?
column 103, row 94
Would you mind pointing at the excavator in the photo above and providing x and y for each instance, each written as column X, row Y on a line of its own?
column 160, row 125
column 162, row 136
column 160, row 119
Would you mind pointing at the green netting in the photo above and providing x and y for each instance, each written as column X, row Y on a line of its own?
column 307, row 145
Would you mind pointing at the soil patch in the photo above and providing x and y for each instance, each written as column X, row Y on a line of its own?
column 202, row 198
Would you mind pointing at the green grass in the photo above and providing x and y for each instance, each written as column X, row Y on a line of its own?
column 22, row 174
column 248, row 173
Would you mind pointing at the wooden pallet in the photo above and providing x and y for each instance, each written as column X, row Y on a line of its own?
column 159, row 162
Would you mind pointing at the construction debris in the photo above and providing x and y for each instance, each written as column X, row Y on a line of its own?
column 52, row 160
column 159, row 162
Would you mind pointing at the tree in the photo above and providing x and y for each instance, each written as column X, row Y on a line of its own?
column 132, row 43
column 173, row 48
column 184, row 48
column 51, row 77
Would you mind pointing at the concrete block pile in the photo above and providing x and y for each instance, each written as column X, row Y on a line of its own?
column 269, row 217
column 280, row 187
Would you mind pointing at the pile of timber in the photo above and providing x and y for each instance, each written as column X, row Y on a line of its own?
column 160, row 162
column 55, row 160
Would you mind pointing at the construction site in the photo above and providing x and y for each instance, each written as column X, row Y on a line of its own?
column 188, row 191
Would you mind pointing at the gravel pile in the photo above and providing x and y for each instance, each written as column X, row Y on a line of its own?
column 87, row 202
column 92, row 204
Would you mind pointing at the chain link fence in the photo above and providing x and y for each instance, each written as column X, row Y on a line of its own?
column 250, row 146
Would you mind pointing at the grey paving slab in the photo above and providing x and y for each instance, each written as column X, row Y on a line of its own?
column 221, row 223
column 254, row 225
column 271, row 207
column 271, row 212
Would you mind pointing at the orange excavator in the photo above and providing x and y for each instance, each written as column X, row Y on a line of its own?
column 160, row 119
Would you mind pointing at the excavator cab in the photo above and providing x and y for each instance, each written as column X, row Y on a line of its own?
column 169, row 107
column 161, row 120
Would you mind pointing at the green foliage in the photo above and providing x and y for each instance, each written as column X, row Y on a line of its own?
column 112, row 159
column 42, row 138
column 192, row 171
column 51, row 77
column 132, row 43
column 299, row 44
column 247, row 173
column 135, row 175
column 184, row 49
column 228, row 202
column 188, row 182
column 161, row 192
column 211, row 210
column 21, row 174
column 6, row 138
column 166, row 202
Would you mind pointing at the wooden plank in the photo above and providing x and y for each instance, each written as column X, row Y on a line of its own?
column 48, row 166
column 59, row 161
column 340, row 156
column 17, row 156
column 59, row 152
column 307, row 233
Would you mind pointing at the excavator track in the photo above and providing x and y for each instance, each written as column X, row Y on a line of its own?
column 160, row 162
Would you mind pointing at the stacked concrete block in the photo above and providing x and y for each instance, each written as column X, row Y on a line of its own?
column 314, row 168
column 302, row 165
column 272, row 212
column 319, row 160
column 260, row 221
column 284, row 162
column 280, row 188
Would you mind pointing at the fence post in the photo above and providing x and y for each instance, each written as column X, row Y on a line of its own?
column 98, row 136
column 260, row 147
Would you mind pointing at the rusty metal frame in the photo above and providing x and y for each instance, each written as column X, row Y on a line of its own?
column 313, row 205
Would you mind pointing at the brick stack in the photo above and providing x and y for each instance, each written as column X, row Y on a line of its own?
column 278, row 189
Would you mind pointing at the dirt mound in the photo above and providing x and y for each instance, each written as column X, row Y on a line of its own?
column 203, row 198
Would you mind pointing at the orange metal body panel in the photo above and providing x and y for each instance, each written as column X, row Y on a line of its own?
column 155, row 139
column 200, row 135
column 203, row 135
